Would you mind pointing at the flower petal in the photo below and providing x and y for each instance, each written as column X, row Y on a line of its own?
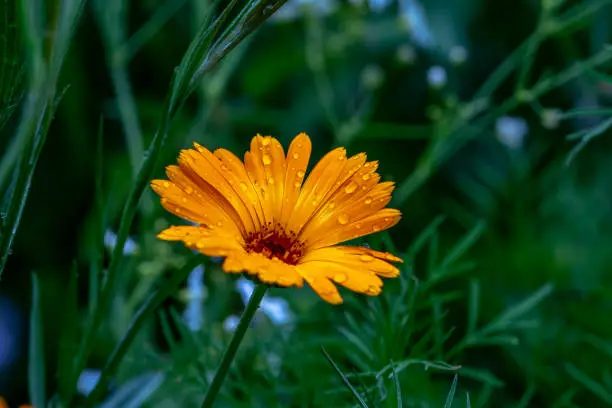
column 209, row 242
column 352, row 194
column 271, row 271
column 357, row 259
column 238, row 176
column 205, row 170
column 319, row 281
column 320, row 181
column 298, row 156
column 379, row 221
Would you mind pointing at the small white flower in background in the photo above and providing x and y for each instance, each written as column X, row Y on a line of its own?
column 294, row 9
column 230, row 323
column 457, row 55
column 372, row 77
column 405, row 54
column 88, row 380
column 277, row 309
column 436, row 77
column 551, row 118
column 511, row 131
column 110, row 240
column 196, row 293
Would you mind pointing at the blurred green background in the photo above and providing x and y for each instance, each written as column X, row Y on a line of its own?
column 492, row 119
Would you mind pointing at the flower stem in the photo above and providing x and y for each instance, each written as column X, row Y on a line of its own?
column 230, row 352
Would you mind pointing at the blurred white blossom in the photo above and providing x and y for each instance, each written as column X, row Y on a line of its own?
column 511, row 131
column 436, row 77
column 551, row 118
column 110, row 240
column 277, row 309
column 372, row 76
column 294, row 9
column 230, row 323
column 457, row 55
column 412, row 15
column 196, row 293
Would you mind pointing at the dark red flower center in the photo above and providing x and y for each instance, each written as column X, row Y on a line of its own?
column 273, row 241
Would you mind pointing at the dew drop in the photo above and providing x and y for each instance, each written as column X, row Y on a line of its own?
column 300, row 174
column 184, row 199
column 343, row 219
column 300, row 145
column 351, row 187
column 366, row 258
column 331, row 206
column 266, row 159
column 200, row 244
column 368, row 201
column 376, row 228
column 243, row 186
column 365, row 177
column 188, row 190
column 296, row 156
column 270, row 180
column 297, row 185
column 220, row 223
column 357, row 225
column 340, row 278
column 265, row 141
column 177, row 210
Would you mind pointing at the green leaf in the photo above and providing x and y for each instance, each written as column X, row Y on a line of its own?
column 595, row 387
column 36, row 358
column 464, row 244
column 345, row 380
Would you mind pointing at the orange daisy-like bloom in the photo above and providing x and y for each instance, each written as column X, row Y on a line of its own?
column 267, row 221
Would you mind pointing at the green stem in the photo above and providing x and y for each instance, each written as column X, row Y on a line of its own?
column 230, row 352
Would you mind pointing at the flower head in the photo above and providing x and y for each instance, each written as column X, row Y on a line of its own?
column 269, row 220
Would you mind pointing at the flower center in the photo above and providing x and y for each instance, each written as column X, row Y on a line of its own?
column 273, row 241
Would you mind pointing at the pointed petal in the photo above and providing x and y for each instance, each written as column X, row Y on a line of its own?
column 298, row 156
column 270, row 271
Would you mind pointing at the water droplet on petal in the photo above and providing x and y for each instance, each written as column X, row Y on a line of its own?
column 365, row 177
column 297, row 185
column 376, row 228
column 340, row 278
column 200, row 244
column 366, row 258
column 265, row 141
column 188, row 190
column 220, row 223
column 331, row 206
column 184, row 199
column 266, row 159
column 352, row 186
column 243, row 186
column 343, row 219
column 270, row 180
column 341, row 157
column 300, row 174
column 166, row 184
column 296, row 156
column 368, row 201
column 357, row 225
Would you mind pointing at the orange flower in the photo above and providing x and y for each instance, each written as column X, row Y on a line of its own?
column 267, row 221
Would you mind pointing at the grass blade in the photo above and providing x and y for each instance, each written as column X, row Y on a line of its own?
column 68, row 337
column 36, row 359
column 345, row 380
column 451, row 394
